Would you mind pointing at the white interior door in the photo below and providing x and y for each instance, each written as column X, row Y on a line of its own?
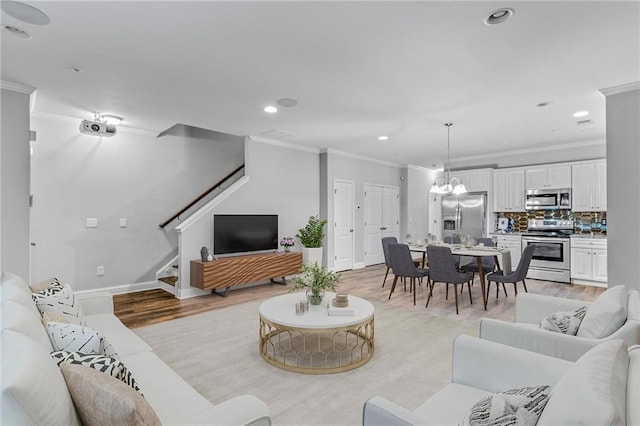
column 343, row 210
column 391, row 212
column 373, row 225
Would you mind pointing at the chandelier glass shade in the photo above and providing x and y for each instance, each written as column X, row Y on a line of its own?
column 445, row 184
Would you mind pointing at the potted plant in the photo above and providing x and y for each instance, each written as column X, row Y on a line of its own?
column 311, row 239
column 315, row 280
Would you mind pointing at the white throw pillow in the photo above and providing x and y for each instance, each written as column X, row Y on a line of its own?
column 74, row 338
column 593, row 391
column 63, row 303
column 521, row 407
column 566, row 322
column 606, row 314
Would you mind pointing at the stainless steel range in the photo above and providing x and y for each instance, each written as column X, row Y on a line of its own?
column 552, row 254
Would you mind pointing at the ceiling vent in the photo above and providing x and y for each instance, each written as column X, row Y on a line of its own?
column 276, row 134
column 584, row 122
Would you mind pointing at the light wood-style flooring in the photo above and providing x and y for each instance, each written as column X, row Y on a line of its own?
column 153, row 306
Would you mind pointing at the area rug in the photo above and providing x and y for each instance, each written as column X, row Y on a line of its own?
column 216, row 352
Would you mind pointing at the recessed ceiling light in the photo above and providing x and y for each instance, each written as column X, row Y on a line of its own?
column 16, row 32
column 499, row 16
column 383, row 138
column 580, row 114
column 24, row 12
column 287, row 102
column 270, row 109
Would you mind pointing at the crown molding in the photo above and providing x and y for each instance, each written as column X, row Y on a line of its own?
column 17, row 87
column 493, row 155
column 360, row 157
column 282, row 144
column 422, row 169
column 622, row 88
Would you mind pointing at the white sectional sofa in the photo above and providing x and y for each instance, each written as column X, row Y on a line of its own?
column 601, row 388
column 615, row 314
column 34, row 390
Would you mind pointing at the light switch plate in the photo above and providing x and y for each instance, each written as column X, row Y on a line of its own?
column 100, row 271
column 123, row 222
column 92, row 222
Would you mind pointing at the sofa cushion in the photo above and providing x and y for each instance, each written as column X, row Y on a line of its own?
column 565, row 322
column 103, row 400
column 606, row 314
column 15, row 289
column 25, row 320
column 33, row 389
column 450, row 404
column 522, row 406
column 105, row 364
column 124, row 340
column 594, row 389
column 74, row 338
column 63, row 302
column 161, row 384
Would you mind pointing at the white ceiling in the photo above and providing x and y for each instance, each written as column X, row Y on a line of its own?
column 358, row 70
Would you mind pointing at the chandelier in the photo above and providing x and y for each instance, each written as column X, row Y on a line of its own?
column 445, row 184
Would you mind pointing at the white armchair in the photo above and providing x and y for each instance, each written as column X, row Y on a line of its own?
column 615, row 314
column 591, row 391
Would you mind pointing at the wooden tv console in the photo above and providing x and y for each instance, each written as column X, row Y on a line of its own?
column 226, row 272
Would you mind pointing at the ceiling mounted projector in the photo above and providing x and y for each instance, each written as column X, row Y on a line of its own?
column 97, row 128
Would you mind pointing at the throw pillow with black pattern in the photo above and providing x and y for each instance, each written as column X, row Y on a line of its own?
column 566, row 322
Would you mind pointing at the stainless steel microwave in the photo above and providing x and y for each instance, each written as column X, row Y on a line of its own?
column 548, row 199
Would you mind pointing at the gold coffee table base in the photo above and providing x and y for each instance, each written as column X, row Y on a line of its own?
column 317, row 350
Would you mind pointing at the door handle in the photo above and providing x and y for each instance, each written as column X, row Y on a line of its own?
column 33, row 244
column 350, row 230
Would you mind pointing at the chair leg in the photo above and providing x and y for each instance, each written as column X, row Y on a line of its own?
column 413, row 284
column 469, row 287
column 488, row 288
column 473, row 277
column 525, row 286
column 393, row 286
column 515, row 287
column 404, row 283
column 430, row 293
column 456, row 294
column 385, row 277
column 503, row 289
column 447, row 292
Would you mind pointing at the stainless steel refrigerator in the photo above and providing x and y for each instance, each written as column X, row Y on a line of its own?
column 464, row 214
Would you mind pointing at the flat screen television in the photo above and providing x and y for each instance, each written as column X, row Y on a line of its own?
column 242, row 233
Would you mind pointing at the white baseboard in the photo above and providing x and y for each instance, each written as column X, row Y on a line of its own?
column 589, row 283
column 125, row 288
column 359, row 265
column 191, row 292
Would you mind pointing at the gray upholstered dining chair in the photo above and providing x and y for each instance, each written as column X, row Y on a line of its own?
column 385, row 250
column 442, row 268
column 488, row 263
column 403, row 266
column 519, row 274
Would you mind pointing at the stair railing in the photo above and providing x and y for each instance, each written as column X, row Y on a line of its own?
column 201, row 196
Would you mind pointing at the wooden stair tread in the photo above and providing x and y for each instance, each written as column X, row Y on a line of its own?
column 169, row 280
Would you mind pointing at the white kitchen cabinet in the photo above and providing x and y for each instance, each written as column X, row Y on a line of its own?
column 589, row 189
column 589, row 261
column 548, row 177
column 508, row 190
column 475, row 180
column 514, row 244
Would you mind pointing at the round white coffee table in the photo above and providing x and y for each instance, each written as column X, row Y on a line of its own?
column 315, row 342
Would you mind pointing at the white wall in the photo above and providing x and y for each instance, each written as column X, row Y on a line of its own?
column 14, row 183
column 131, row 175
column 417, row 218
column 623, row 196
column 361, row 171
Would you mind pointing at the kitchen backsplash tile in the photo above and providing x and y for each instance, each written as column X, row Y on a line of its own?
column 584, row 222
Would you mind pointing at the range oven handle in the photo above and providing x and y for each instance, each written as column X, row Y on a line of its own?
column 546, row 240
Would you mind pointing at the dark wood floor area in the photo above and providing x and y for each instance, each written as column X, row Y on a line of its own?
column 153, row 306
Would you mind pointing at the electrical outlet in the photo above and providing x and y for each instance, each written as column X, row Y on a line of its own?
column 123, row 222
column 92, row 222
column 100, row 271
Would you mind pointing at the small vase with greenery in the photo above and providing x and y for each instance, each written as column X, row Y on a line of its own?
column 315, row 280
column 312, row 234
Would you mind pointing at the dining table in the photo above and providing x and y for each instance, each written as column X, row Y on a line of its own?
column 502, row 257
